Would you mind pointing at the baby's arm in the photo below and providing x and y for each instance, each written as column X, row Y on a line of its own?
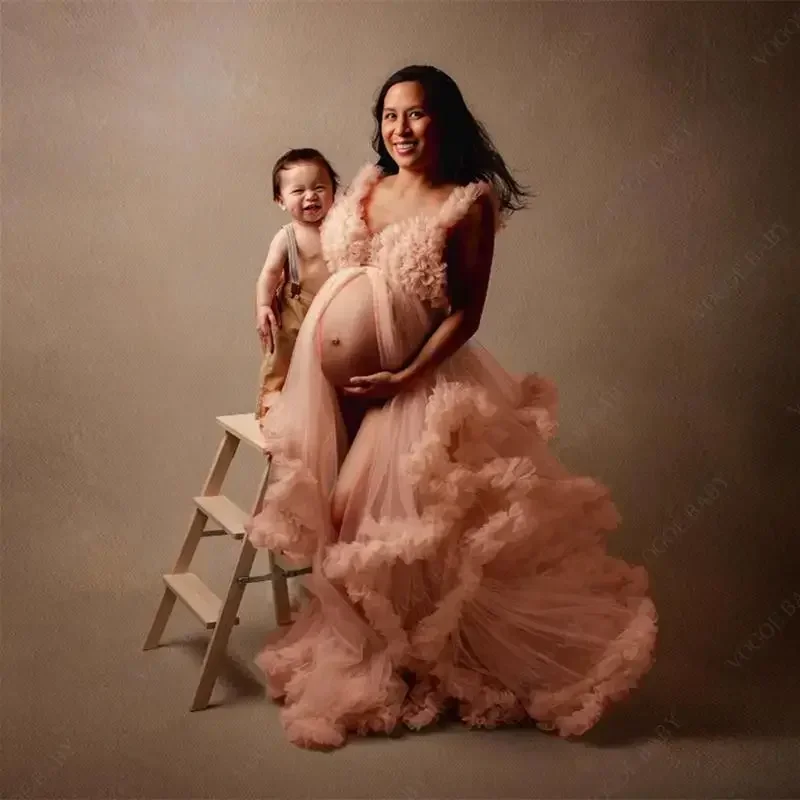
column 267, row 286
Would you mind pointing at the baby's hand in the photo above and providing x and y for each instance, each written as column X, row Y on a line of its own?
column 267, row 325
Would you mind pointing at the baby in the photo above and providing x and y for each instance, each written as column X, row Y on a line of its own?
column 303, row 184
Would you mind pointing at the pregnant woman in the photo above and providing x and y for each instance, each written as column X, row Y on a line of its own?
column 457, row 564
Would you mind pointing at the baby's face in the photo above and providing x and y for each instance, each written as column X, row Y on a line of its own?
column 306, row 191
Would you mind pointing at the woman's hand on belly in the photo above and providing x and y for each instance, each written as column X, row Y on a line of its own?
column 381, row 384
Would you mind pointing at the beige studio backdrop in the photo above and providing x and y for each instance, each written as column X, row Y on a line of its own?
column 654, row 277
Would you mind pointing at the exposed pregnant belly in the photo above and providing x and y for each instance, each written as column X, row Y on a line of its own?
column 348, row 340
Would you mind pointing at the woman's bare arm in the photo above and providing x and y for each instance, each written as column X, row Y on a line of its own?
column 469, row 255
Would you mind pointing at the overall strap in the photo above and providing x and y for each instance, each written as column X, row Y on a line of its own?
column 294, row 260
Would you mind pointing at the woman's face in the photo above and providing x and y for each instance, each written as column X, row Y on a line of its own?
column 408, row 129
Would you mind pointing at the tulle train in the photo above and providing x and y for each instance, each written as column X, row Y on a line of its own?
column 471, row 568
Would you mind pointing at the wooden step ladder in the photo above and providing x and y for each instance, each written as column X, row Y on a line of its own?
column 225, row 518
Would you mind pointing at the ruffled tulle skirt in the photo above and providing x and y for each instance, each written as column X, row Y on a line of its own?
column 470, row 571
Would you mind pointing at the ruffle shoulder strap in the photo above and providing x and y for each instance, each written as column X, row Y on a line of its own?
column 461, row 200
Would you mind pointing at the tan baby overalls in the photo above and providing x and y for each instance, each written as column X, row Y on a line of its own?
column 293, row 302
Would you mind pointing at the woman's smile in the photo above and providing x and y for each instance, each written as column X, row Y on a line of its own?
column 405, row 147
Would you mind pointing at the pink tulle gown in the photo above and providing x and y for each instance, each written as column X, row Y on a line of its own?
column 471, row 569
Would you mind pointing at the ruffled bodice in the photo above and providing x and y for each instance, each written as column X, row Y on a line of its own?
column 410, row 251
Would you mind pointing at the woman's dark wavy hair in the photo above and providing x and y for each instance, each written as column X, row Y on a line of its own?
column 467, row 153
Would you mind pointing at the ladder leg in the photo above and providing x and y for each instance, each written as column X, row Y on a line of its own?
column 222, row 630
column 160, row 622
column 219, row 469
column 280, row 586
column 280, row 593
column 222, row 462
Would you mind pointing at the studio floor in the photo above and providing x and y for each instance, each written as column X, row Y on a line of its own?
column 88, row 714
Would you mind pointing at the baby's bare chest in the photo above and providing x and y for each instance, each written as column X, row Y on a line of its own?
column 311, row 264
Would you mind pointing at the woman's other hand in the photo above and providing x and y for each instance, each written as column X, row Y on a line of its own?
column 380, row 384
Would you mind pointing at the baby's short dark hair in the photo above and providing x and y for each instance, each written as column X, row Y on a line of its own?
column 297, row 156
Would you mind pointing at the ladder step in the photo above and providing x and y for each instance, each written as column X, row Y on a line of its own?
column 225, row 512
column 232, row 519
column 245, row 428
column 197, row 597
